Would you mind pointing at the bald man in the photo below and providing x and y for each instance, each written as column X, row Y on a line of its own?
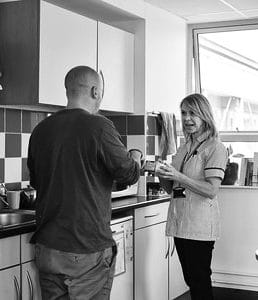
column 74, row 156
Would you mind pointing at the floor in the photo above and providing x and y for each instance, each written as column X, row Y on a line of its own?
column 227, row 294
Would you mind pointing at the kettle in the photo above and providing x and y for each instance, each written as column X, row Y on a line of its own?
column 28, row 198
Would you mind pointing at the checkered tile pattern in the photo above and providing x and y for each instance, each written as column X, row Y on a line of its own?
column 15, row 128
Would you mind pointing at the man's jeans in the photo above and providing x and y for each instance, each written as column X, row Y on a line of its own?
column 65, row 275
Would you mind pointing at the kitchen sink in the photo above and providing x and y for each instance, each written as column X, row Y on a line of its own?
column 12, row 218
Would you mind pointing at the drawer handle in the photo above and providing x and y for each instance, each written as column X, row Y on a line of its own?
column 151, row 216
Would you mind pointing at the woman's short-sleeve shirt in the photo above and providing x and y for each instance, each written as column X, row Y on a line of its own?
column 197, row 217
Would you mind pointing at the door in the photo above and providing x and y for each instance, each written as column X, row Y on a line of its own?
column 177, row 286
column 151, row 266
column 30, row 282
column 116, row 61
column 10, row 284
column 67, row 40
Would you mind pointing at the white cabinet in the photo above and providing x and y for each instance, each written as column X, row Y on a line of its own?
column 177, row 285
column 67, row 39
column 9, row 268
column 10, row 284
column 30, row 282
column 9, row 251
column 116, row 61
column 151, row 264
column 30, row 277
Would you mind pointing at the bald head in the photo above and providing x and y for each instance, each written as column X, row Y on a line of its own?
column 84, row 87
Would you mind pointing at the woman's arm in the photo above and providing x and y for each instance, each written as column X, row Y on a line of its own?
column 206, row 188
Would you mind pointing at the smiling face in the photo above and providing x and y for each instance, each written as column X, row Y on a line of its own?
column 191, row 123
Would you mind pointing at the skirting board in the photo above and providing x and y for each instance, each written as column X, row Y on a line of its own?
column 235, row 280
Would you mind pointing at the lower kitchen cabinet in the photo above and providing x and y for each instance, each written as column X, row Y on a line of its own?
column 151, row 264
column 10, row 287
column 177, row 284
column 30, row 282
column 158, row 273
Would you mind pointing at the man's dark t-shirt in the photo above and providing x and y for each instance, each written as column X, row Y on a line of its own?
column 73, row 159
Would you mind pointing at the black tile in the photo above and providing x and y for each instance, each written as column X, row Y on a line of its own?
column 124, row 140
column 1, row 169
column 13, row 186
column 119, row 123
column 12, row 145
column 27, row 124
column 135, row 125
column 25, row 171
column 13, row 120
column 1, row 119
column 152, row 125
column 150, row 145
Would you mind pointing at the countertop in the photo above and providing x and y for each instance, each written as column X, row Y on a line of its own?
column 119, row 206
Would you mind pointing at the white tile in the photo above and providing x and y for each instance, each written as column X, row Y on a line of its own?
column 13, row 167
column 24, row 184
column 2, row 144
column 25, row 144
column 136, row 142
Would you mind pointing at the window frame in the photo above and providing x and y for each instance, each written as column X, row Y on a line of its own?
column 193, row 65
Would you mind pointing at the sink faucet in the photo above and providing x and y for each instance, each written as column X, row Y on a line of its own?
column 3, row 194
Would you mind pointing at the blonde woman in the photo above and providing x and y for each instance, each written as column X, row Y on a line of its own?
column 193, row 179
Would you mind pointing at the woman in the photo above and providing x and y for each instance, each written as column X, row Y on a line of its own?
column 193, row 179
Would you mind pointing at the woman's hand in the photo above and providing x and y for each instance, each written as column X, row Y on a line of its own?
column 166, row 171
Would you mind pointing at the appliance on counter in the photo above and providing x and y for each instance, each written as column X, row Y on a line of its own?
column 122, row 190
column 122, row 230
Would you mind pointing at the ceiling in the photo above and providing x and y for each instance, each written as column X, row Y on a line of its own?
column 197, row 11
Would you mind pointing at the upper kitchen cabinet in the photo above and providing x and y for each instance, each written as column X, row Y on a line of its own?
column 116, row 61
column 40, row 42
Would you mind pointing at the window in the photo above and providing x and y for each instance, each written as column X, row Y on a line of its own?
column 225, row 69
column 227, row 73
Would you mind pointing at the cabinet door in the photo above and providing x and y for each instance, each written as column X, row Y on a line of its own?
column 9, row 251
column 30, row 282
column 116, row 61
column 151, row 266
column 67, row 40
column 10, row 284
column 27, row 249
column 177, row 284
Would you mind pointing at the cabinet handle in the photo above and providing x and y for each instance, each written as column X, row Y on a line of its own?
column 30, row 286
column 17, row 288
column 151, row 216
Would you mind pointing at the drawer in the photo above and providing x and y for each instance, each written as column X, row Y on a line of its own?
column 27, row 249
column 152, row 214
column 9, row 251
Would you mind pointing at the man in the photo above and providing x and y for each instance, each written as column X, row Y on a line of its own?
column 74, row 156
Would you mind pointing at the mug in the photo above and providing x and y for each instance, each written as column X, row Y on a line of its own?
column 13, row 199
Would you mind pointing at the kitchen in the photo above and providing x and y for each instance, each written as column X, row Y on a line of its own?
column 154, row 81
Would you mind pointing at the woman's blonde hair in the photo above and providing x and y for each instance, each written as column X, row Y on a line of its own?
column 201, row 107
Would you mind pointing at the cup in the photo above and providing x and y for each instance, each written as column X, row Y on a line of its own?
column 13, row 199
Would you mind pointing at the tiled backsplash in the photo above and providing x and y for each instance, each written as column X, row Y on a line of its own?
column 15, row 129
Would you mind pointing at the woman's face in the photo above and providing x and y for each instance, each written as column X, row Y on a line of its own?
column 191, row 123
